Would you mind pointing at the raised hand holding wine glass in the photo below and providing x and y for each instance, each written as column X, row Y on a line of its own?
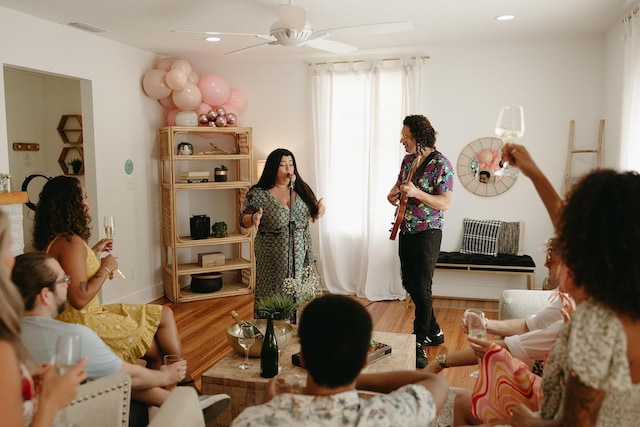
column 509, row 127
column 66, row 357
column 109, row 224
column 246, row 339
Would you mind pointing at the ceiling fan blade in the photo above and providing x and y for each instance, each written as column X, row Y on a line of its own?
column 218, row 33
column 371, row 29
column 245, row 48
column 322, row 43
column 292, row 16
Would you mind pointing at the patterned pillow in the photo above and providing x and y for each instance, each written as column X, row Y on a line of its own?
column 510, row 238
column 480, row 237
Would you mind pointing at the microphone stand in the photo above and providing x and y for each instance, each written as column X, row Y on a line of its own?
column 292, row 267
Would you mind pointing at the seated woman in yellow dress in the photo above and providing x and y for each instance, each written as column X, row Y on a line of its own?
column 132, row 331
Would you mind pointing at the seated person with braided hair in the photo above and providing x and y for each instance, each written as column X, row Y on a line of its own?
column 335, row 334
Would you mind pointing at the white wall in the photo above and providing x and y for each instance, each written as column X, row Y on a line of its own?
column 555, row 80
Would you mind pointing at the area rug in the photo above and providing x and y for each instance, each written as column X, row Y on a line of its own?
column 445, row 419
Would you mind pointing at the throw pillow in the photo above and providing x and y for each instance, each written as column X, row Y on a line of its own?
column 480, row 237
column 510, row 238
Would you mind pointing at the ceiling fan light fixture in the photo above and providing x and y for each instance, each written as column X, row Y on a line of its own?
column 505, row 17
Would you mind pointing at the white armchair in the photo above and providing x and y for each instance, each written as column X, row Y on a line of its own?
column 102, row 403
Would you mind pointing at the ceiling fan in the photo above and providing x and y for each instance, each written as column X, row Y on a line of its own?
column 293, row 29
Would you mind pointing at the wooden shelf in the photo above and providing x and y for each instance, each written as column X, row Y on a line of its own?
column 239, row 271
column 70, row 135
column 14, row 198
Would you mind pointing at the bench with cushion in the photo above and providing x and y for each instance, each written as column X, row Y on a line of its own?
column 522, row 265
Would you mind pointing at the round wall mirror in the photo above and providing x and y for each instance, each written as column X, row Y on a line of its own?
column 477, row 164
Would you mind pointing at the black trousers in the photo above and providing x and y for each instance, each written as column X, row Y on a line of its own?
column 418, row 257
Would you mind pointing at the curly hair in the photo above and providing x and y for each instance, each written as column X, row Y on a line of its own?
column 599, row 238
column 422, row 131
column 60, row 211
column 268, row 178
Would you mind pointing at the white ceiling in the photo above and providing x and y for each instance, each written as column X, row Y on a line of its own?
column 148, row 24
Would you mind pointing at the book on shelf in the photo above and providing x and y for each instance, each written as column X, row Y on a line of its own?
column 193, row 180
column 195, row 173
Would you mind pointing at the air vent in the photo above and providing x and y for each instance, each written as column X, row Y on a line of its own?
column 87, row 27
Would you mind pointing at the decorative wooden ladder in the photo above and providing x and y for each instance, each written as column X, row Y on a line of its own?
column 568, row 178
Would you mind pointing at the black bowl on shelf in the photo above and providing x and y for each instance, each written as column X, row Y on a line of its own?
column 204, row 283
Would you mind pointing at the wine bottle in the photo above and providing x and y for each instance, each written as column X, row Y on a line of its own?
column 240, row 321
column 269, row 353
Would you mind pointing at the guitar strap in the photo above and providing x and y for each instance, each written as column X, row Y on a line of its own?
column 422, row 166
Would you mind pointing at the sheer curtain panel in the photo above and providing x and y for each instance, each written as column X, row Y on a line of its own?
column 630, row 144
column 358, row 110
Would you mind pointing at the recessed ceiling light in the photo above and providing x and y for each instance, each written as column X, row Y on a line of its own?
column 505, row 17
column 212, row 39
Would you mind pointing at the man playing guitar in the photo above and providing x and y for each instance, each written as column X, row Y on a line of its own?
column 422, row 193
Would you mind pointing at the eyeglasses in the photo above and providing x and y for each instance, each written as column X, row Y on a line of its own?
column 65, row 279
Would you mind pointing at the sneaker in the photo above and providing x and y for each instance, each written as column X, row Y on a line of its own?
column 421, row 358
column 437, row 339
column 213, row 405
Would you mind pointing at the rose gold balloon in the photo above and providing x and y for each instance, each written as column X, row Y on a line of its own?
column 221, row 121
column 232, row 119
column 202, row 119
column 221, row 111
column 212, row 115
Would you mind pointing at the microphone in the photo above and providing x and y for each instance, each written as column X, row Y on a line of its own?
column 292, row 180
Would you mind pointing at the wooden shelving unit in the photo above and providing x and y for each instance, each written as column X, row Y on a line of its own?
column 179, row 250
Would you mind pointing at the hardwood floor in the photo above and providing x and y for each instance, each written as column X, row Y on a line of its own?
column 202, row 327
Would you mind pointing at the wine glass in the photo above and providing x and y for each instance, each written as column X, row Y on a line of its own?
column 246, row 339
column 509, row 127
column 67, row 356
column 109, row 224
column 476, row 327
column 283, row 339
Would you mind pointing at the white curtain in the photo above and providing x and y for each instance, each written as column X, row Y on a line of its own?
column 358, row 110
column 630, row 144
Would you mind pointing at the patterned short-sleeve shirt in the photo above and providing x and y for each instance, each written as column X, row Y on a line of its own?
column 411, row 405
column 436, row 178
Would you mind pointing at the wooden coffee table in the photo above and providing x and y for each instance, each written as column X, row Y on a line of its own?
column 247, row 387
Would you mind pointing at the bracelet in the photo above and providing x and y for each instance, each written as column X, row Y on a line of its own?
column 106, row 268
column 252, row 216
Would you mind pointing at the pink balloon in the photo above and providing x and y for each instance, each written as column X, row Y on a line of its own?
column 194, row 78
column 165, row 64
column 154, row 84
column 182, row 65
column 187, row 99
column 203, row 108
column 237, row 99
column 215, row 89
column 171, row 117
column 167, row 102
column 176, row 79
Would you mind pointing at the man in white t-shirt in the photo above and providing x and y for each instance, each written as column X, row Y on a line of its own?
column 43, row 285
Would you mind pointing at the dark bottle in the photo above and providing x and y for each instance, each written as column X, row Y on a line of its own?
column 240, row 321
column 269, row 353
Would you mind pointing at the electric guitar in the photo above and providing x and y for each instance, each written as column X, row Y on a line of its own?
column 402, row 206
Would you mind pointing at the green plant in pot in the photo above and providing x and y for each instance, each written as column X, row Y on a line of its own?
column 279, row 306
column 219, row 229
column 75, row 164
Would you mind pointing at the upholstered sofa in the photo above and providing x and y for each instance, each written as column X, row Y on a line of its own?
column 522, row 303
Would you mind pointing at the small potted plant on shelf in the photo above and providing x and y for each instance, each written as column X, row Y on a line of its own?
column 220, row 174
column 75, row 164
column 219, row 229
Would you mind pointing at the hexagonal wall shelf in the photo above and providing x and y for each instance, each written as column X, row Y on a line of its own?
column 64, row 160
column 70, row 128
